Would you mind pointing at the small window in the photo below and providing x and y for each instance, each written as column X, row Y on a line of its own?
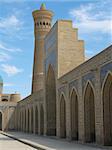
column 40, row 23
column 43, row 23
column 47, row 23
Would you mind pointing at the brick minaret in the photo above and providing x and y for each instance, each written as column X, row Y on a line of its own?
column 42, row 25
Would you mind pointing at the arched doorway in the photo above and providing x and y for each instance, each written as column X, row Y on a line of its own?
column 107, row 109
column 0, row 121
column 41, row 120
column 74, row 115
column 89, row 114
column 51, row 102
column 36, row 120
column 62, row 117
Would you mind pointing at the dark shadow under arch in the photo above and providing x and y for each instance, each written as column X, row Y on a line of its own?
column 62, row 117
column 51, row 102
column 32, row 120
column 28, row 121
column 25, row 121
column 74, row 115
column 107, row 109
column 36, row 120
column 41, row 120
column 89, row 114
column 0, row 121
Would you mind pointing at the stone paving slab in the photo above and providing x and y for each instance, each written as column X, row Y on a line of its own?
column 48, row 143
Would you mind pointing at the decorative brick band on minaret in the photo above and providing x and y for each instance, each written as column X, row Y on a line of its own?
column 42, row 25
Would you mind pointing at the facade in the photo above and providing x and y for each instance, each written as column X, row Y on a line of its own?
column 71, row 98
column 8, row 103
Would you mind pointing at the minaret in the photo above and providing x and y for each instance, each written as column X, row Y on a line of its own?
column 42, row 25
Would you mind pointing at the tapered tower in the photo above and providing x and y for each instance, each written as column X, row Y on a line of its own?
column 42, row 25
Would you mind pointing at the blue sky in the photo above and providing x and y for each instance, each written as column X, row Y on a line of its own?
column 92, row 17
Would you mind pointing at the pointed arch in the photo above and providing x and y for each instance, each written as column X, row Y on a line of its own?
column 1, row 120
column 41, row 120
column 107, row 108
column 51, row 101
column 89, row 113
column 74, row 114
column 62, row 117
column 36, row 119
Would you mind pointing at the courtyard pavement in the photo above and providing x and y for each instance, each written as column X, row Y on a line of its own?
column 7, row 143
column 48, row 143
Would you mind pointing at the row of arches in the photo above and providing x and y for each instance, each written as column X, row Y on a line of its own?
column 89, row 109
column 30, row 121
column 89, row 113
column 73, row 114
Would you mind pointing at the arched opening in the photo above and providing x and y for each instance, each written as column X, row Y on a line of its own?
column 62, row 118
column 32, row 123
column 41, row 120
column 89, row 114
column 107, row 109
column 36, row 120
column 0, row 121
column 28, row 121
column 51, row 102
column 74, row 115
column 37, row 24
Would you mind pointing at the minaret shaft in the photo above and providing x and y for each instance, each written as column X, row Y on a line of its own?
column 42, row 25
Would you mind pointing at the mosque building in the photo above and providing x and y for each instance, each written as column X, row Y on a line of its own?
column 71, row 97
